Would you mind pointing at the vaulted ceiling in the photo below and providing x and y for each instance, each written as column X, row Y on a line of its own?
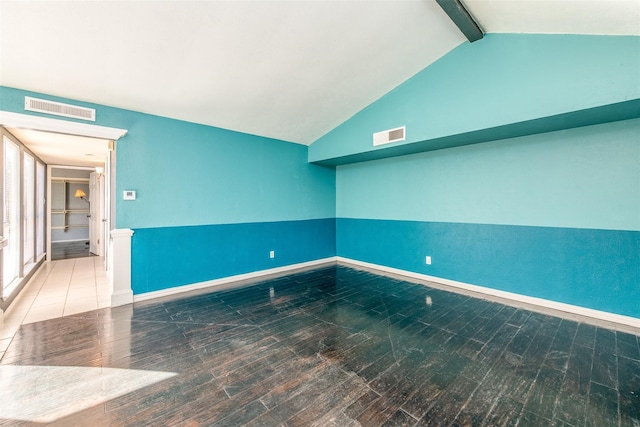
column 291, row 70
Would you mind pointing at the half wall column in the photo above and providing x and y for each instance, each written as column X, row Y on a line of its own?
column 120, row 276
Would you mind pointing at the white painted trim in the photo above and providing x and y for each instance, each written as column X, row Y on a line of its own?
column 26, row 121
column 121, row 297
column 121, row 232
column 504, row 295
column 219, row 284
column 48, row 215
column 69, row 241
column 120, row 273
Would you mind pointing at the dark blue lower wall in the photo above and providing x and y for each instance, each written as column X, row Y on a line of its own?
column 598, row 269
column 174, row 256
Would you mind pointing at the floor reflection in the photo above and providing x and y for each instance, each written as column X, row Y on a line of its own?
column 341, row 347
column 47, row 393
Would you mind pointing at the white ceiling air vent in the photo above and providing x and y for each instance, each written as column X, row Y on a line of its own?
column 59, row 109
column 388, row 136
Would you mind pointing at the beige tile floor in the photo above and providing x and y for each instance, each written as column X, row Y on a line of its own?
column 59, row 288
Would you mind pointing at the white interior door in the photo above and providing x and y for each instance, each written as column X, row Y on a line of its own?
column 102, row 215
column 95, row 218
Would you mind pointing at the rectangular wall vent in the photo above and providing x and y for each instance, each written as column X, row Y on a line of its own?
column 388, row 136
column 59, row 109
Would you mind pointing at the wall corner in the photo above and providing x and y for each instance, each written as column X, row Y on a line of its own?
column 120, row 271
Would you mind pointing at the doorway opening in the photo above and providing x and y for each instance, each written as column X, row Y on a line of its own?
column 77, row 218
column 67, row 149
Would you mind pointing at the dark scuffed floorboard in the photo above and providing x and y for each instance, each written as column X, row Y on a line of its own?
column 69, row 250
column 338, row 347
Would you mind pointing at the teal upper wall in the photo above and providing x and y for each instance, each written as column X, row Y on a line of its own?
column 587, row 177
column 553, row 215
column 505, row 85
column 190, row 174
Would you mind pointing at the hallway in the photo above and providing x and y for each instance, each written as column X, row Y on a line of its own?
column 59, row 288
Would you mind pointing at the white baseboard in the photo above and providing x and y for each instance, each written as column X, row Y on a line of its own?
column 121, row 298
column 574, row 312
column 70, row 241
column 234, row 281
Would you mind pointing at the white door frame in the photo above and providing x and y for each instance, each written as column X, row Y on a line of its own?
column 49, row 196
column 45, row 124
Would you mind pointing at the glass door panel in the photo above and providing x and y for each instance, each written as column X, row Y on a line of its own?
column 11, row 215
column 29, row 212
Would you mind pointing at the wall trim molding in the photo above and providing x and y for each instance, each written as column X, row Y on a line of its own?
column 568, row 311
column 28, row 121
column 558, row 309
column 122, row 297
column 236, row 281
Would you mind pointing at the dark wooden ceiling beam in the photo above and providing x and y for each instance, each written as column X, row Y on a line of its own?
column 462, row 18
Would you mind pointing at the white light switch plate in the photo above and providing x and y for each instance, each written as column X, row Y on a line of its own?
column 128, row 195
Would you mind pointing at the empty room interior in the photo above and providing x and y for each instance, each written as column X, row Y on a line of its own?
column 320, row 213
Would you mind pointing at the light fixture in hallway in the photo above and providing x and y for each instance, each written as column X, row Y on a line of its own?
column 80, row 194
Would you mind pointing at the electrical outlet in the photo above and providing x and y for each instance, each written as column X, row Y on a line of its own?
column 272, row 254
column 428, row 260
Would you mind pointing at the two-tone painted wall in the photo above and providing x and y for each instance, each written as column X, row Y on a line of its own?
column 540, row 195
column 545, row 203
column 553, row 216
column 211, row 203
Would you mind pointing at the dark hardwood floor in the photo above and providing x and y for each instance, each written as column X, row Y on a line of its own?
column 336, row 347
column 68, row 250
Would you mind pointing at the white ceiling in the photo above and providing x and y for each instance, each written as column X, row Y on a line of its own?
column 65, row 150
column 605, row 17
column 290, row 70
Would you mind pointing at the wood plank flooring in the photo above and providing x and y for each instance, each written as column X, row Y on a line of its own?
column 69, row 250
column 336, row 347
